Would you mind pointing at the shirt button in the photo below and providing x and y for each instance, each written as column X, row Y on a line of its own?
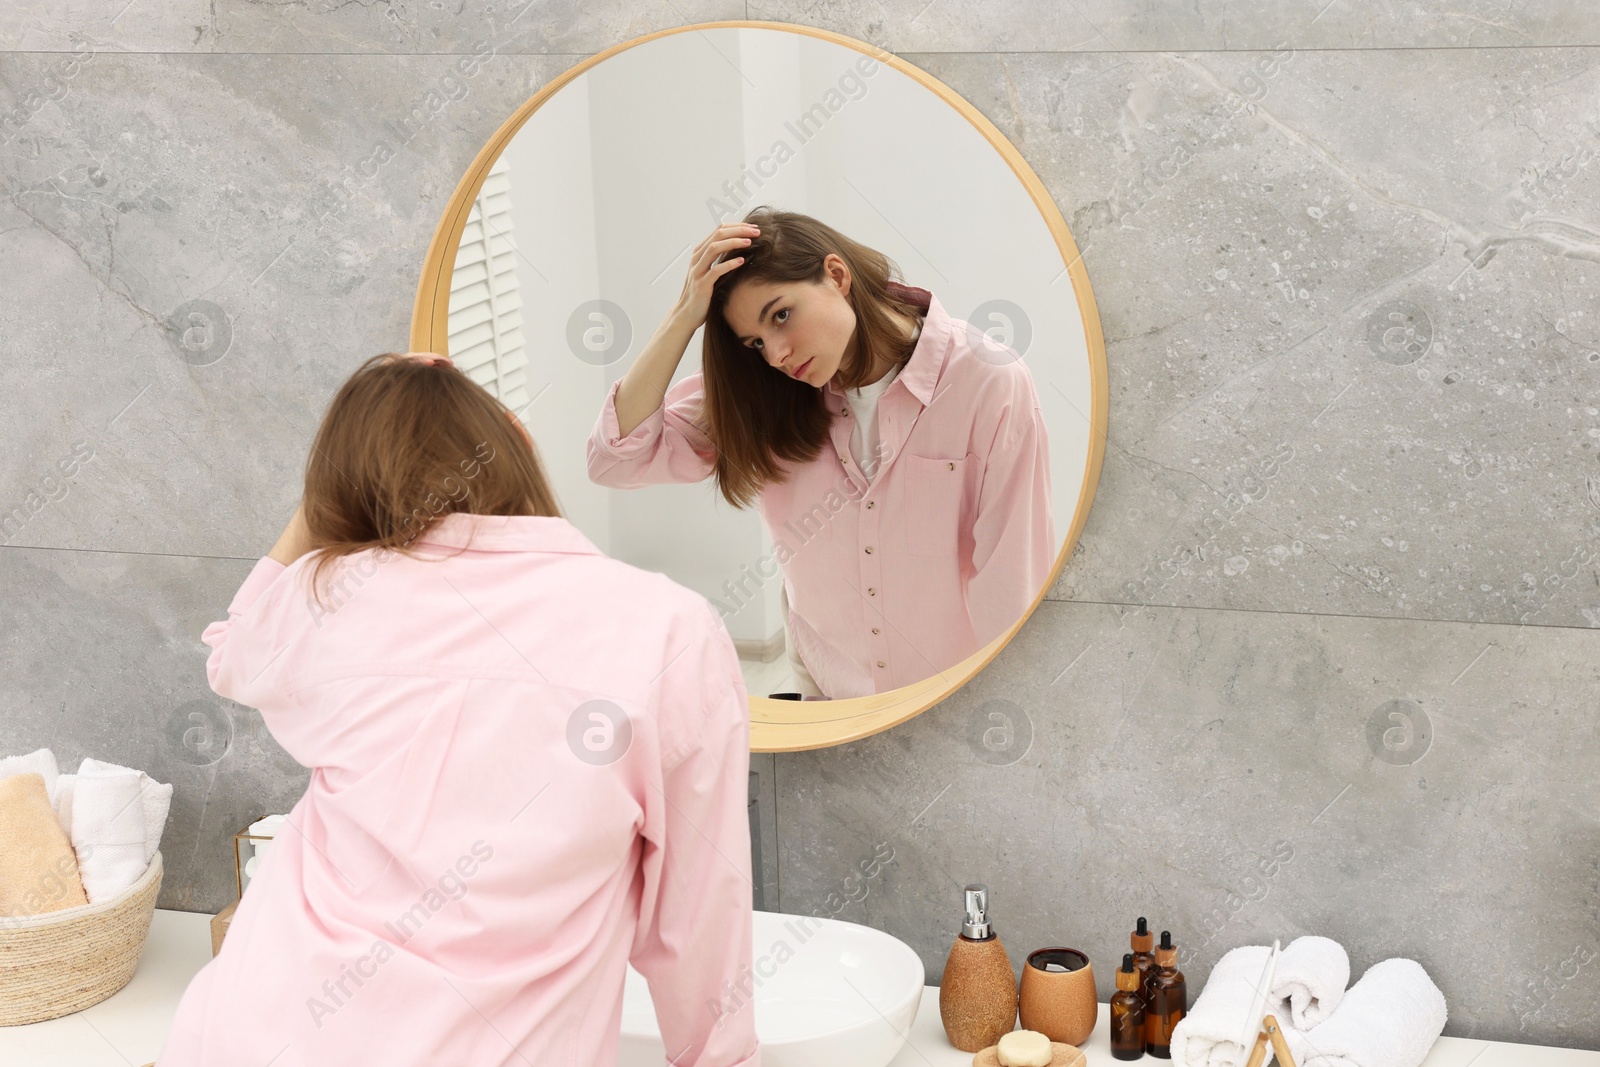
column 871, row 591
column 952, row 466
column 869, row 550
column 874, row 629
column 869, row 504
column 880, row 663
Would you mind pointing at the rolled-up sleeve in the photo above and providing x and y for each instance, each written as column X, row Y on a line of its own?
column 668, row 446
column 243, row 652
column 693, row 941
column 1014, row 537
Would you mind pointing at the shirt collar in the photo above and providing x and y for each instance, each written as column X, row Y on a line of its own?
column 921, row 371
column 507, row 533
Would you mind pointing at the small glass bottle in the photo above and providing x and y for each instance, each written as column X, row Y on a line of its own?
column 1169, row 1000
column 1127, row 1013
column 1144, row 961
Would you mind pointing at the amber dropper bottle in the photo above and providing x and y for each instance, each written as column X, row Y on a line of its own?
column 1127, row 1013
column 1169, row 1000
column 1144, row 961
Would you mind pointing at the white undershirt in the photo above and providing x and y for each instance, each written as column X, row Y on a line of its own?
column 864, row 436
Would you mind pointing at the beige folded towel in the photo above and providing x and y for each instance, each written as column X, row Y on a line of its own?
column 38, row 867
column 41, row 760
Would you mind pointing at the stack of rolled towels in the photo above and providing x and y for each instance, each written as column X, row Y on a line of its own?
column 1390, row 1018
column 71, row 840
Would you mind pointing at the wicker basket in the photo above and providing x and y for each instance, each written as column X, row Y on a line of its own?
column 64, row 961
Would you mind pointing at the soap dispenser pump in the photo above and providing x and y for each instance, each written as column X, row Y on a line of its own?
column 978, row 993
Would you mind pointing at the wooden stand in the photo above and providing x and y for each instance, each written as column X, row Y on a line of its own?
column 219, row 926
column 1270, row 1032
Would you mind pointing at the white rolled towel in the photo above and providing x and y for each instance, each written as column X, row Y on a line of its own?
column 40, row 761
column 155, row 799
column 1390, row 1018
column 1309, row 982
column 1208, row 1035
column 107, row 830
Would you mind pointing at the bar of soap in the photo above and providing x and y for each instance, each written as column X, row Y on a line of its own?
column 1024, row 1048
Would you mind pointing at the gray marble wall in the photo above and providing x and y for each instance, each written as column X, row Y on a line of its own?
column 1327, row 658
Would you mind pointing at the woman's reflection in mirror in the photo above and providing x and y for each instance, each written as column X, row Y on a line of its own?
column 897, row 456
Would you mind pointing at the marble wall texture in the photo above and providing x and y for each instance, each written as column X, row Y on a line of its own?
column 1327, row 658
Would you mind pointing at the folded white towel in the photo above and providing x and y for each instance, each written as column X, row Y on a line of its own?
column 155, row 799
column 1309, row 982
column 1208, row 1036
column 1390, row 1018
column 40, row 761
column 108, row 830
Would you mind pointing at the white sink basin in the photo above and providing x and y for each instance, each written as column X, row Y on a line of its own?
column 825, row 992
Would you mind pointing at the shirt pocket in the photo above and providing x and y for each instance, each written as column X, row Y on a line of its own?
column 935, row 502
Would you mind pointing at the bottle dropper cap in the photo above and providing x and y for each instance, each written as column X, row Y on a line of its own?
column 1141, row 938
column 1127, row 977
column 1166, row 952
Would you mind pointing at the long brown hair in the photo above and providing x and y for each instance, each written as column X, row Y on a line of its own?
column 759, row 417
column 405, row 442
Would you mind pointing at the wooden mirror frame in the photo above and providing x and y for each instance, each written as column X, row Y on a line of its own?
column 798, row 725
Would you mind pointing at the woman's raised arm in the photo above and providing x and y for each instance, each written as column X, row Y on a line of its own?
column 645, row 384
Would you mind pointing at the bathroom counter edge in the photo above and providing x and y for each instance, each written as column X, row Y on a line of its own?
column 130, row 1026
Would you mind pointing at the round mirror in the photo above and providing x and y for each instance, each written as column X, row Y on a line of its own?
column 874, row 454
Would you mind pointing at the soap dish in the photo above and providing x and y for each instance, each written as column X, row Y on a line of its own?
column 1061, row 1055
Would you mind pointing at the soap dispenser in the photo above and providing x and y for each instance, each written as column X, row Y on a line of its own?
column 978, row 993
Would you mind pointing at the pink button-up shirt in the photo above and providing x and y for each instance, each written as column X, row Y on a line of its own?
column 892, row 581
column 528, row 768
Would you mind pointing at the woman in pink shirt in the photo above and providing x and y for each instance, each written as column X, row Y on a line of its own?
column 528, row 767
column 897, row 456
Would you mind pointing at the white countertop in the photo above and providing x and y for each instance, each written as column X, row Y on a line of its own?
column 928, row 1047
column 129, row 1027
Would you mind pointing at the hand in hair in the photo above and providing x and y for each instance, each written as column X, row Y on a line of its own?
column 704, row 270
column 437, row 360
column 644, row 386
column 433, row 358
